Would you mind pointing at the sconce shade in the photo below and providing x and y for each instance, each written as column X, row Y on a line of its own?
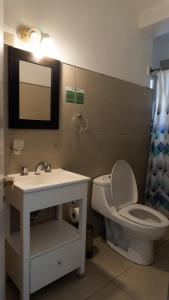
column 27, row 34
column 39, row 43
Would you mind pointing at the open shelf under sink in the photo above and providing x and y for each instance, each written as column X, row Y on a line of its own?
column 45, row 237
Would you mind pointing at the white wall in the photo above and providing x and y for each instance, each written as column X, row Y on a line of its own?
column 2, row 257
column 98, row 35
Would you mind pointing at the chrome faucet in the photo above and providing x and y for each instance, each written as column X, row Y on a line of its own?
column 42, row 166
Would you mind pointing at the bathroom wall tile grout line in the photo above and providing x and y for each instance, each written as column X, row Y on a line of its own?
column 101, row 134
column 111, row 282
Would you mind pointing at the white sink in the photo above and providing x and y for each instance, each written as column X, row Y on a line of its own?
column 57, row 177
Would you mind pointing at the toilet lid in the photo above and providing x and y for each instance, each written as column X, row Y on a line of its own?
column 143, row 215
column 123, row 185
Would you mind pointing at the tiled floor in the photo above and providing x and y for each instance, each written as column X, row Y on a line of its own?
column 110, row 277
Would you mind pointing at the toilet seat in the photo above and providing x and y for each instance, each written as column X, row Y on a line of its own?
column 124, row 194
column 123, row 187
column 143, row 215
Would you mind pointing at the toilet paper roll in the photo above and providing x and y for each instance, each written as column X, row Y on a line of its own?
column 74, row 215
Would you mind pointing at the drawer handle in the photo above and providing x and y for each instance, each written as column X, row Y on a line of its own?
column 59, row 262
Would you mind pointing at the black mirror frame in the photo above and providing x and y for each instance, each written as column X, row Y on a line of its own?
column 14, row 55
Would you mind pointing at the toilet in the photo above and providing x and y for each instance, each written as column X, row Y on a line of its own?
column 131, row 228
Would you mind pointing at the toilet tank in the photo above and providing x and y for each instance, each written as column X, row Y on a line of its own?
column 101, row 197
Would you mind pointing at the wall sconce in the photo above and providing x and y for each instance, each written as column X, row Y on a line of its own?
column 41, row 43
column 27, row 34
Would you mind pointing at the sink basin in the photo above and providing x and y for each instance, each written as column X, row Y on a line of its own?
column 57, row 177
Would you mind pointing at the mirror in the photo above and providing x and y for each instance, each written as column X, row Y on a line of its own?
column 33, row 91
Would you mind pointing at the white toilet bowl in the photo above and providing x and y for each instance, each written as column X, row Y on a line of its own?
column 131, row 228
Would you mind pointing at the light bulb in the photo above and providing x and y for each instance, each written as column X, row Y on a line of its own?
column 47, row 46
column 35, row 37
column 37, row 53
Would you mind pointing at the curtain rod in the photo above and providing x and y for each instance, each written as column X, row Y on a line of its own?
column 159, row 69
column 164, row 65
column 155, row 70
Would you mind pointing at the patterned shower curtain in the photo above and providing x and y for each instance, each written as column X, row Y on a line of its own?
column 157, row 185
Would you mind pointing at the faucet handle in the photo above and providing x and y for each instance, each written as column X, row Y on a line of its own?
column 24, row 171
column 43, row 165
column 48, row 168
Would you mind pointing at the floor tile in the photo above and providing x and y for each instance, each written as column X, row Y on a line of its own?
column 108, row 261
column 110, row 292
column 93, row 280
column 146, row 282
column 61, row 289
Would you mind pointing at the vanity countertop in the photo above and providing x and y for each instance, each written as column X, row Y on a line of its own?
column 55, row 178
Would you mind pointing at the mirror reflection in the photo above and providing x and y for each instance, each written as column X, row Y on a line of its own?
column 34, row 91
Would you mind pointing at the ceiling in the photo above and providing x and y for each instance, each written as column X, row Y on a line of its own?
column 144, row 4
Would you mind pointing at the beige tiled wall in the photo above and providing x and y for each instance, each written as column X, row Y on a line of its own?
column 119, row 115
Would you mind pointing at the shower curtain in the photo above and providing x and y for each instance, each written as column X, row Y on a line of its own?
column 157, row 185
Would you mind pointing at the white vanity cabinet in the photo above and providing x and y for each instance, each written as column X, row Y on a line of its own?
column 40, row 254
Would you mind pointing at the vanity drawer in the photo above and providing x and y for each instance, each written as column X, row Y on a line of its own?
column 54, row 264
